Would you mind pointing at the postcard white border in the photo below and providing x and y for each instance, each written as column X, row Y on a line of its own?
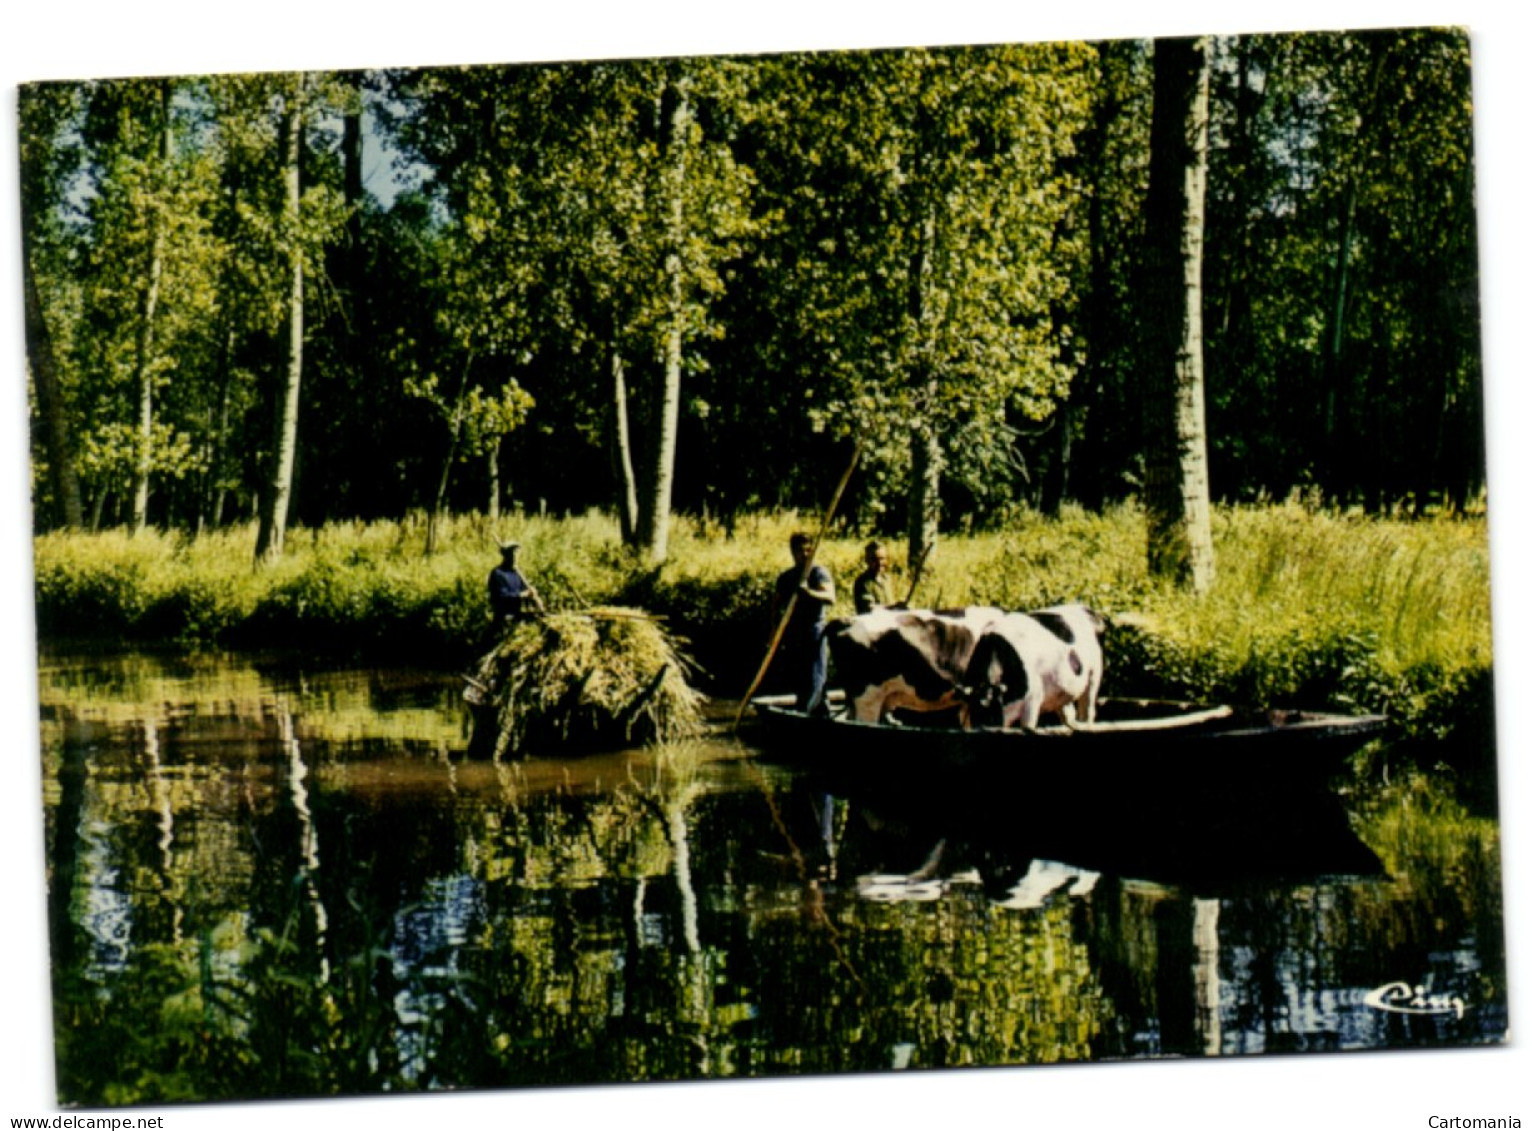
column 93, row 38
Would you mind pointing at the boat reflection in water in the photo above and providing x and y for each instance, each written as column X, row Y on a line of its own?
column 1303, row 840
column 1144, row 901
column 1145, row 841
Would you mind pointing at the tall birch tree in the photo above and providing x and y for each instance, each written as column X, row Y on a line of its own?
column 1176, row 491
column 922, row 272
column 146, row 260
column 603, row 199
column 278, row 491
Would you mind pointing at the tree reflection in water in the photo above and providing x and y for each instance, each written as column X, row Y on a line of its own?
column 266, row 886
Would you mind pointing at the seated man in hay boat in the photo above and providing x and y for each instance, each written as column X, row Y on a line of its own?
column 511, row 596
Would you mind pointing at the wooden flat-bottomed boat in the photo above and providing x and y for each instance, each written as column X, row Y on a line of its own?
column 1135, row 747
column 1202, row 796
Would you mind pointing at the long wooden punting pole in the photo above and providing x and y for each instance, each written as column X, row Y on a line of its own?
column 792, row 601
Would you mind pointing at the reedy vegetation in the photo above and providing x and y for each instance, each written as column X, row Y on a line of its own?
column 1310, row 608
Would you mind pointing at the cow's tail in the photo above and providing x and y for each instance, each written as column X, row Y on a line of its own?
column 1093, row 692
column 834, row 632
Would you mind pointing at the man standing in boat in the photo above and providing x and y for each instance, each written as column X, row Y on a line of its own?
column 511, row 596
column 804, row 655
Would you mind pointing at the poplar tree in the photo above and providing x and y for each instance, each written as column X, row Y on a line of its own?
column 1176, row 493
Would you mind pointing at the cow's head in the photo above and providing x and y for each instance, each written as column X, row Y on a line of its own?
column 985, row 702
column 995, row 677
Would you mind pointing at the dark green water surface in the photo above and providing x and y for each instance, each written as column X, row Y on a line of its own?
column 271, row 881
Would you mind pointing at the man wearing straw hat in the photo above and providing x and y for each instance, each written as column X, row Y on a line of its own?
column 511, row 596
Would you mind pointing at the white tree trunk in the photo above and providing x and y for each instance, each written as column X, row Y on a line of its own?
column 274, row 521
column 926, row 460
column 654, row 529
column 622, row 454
column 144, row 361
column 1176, row 491
column 925, row 491
column 493, row 460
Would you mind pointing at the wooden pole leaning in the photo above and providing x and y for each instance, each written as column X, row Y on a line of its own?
column 792, row 601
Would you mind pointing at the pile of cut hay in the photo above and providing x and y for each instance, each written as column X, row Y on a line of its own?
column 605, row 677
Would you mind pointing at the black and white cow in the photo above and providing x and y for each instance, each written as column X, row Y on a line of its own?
column 906, row 659
column 1027, row 665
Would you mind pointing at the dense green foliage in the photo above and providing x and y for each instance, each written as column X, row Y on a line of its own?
column 632, row 285
column 1310, row 608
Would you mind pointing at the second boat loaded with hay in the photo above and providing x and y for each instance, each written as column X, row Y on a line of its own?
column 598, row 678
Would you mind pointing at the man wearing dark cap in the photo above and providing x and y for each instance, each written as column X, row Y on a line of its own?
column 511, row 597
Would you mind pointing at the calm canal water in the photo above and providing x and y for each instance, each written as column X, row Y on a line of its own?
column 270, row 880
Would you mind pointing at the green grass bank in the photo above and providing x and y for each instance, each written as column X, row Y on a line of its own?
column 1310, row 608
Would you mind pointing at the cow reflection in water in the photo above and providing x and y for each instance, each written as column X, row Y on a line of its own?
column 1043, row 880
column 1022, row 856
column 1008, row 878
